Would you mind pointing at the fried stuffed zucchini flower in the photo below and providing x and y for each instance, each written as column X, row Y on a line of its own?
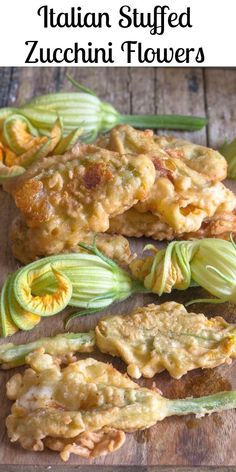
column 87, row 407
column 149, row 340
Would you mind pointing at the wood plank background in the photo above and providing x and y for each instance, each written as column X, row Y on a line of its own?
column 176, row 441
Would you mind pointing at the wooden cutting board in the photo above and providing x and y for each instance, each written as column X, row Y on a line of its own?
column 177, row 441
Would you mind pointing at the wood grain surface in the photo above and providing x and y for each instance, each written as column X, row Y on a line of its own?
column 175, row 442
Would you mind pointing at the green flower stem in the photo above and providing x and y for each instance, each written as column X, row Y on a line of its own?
column 203, row 405
column 187, row 123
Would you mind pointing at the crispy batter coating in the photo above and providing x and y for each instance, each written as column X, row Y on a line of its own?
column 84, row 408
column 83, row 188
column 89, row 445
column 125, row 139
column 62, row 198
column 186, row 201
column 166, row 336
column 87, row 407
column 29, row 244
column 187, row 188
column 133, row 224
column 149, row 340
column 221, row 225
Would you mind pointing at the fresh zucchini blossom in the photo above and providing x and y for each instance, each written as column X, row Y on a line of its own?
column 209, row 263
column 46, row 286
column 84, row 109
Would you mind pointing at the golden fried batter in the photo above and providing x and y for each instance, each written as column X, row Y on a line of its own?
column 133, row 224
column 187, row 200
column 221, row 225
column 29, row 244
column 86, row 407
column 83, row 188
column 63, row 199
column 187, row 188
column 166, row 336
column 149, row 340
column 125, row 139
column 83, row 409
column 89, row 445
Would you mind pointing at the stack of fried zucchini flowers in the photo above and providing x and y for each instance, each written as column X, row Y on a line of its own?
column 131, row 183
column 128, row 183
